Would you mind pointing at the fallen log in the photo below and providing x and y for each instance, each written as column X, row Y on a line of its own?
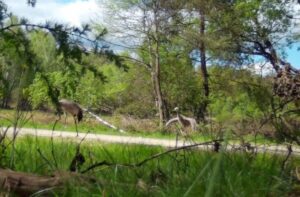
column 28, row 184
column 25, row 184
column 103, row 121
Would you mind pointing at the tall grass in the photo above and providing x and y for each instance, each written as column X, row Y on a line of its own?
column 182, row 173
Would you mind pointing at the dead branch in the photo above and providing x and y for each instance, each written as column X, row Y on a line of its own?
column 102, row 163
column 103, row 121
column 78, row 159
column 287, row 83
column 283, row 165
column 24, row 184
column 28, row 184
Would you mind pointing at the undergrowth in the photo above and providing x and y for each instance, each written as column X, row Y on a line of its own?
column 181, row 173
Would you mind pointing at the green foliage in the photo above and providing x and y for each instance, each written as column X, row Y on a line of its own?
column 239, row 95
column 43, row 63
column 116, row 83
column 181, row 84
column 81, row 82
column 132, row 91
column 248, row 25
column 89, row 90
column 38, row 92
column 57, row 53
column 44, row 46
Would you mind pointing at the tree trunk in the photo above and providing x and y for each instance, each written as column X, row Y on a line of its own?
column 161, row 105
column 203, row 106
column 155, row 76
column 157, row 86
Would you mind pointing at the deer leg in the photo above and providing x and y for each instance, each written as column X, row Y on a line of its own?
column 59, row 116
column 75, row 120
column 57, row 119
column 65, row 115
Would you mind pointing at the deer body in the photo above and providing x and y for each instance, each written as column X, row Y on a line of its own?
column 183, row 121
column 72, row 108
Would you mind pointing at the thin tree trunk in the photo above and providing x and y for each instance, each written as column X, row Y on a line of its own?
column 162, row 109
column 153, row 73
column 160, row 102
column 155, row 77
column 203, row 107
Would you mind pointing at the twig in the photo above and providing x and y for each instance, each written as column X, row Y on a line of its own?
column 52, row 143
column 54, row 125
column 173, row 150
column 39, row 193
column 289, row 147
column 78, row 159
column 83, row 138
column 102, row 163
column 150, row 158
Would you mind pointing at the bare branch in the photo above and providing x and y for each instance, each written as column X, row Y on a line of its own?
column 155, row 156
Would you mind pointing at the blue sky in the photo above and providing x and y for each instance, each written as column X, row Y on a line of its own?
column 294, row 55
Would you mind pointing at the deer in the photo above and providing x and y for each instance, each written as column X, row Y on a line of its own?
column 183, row 121
column 72, row 108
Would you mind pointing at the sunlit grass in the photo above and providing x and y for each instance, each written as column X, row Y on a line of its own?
column 182, row 173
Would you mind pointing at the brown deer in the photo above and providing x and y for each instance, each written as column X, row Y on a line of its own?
column 72, row 108
column 183, row 121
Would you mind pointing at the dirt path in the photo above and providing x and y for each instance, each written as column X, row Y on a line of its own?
column 168, row 143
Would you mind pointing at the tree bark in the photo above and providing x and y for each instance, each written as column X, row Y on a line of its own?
column 163, row 114
column 203, row 106
column 161, row 105
column 25, row 184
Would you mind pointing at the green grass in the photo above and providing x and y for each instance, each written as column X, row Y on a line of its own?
column 183, row 173
column 47, row 120
column 42, row 120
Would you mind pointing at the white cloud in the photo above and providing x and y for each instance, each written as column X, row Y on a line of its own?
column 73, row 12
column 261, row 68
